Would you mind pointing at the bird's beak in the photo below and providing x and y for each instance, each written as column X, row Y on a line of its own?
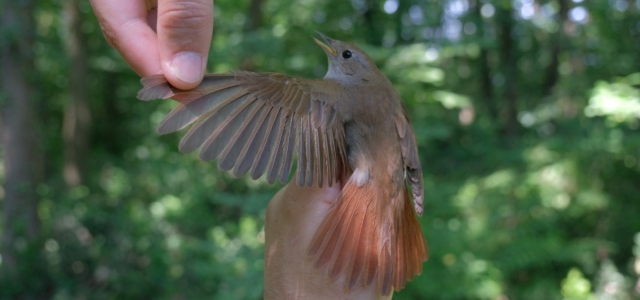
column 326, row 47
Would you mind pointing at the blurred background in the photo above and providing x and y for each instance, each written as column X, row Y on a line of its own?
column 526, row 111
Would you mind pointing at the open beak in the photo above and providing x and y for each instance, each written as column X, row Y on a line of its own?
column 326, row 47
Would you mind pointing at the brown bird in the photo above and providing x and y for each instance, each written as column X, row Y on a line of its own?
column 349, row 128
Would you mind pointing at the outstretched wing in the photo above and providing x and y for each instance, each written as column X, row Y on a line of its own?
column 411, row 159
column 257, row 123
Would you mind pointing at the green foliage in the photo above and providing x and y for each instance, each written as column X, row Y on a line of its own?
column 527, row 128
column 618, row 101
column 576, row 287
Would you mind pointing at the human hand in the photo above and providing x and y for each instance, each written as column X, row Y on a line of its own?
column 293, row 216
column 170, row 37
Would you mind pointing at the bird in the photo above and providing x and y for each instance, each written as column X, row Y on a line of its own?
column 349, row 128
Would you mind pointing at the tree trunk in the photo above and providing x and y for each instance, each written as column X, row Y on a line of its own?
column 509, row 113
column 255, row 21
column 255, row 15
column 551, row 72
column 76, row 128
column 22, row 160
column 486, row 87
column 374, row 23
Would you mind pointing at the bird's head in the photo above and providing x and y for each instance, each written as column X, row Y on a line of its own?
column 347, row 62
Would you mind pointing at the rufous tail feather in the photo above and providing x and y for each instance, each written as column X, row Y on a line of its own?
column 363, row 240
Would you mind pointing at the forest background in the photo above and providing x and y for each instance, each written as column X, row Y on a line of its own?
column 526, row 112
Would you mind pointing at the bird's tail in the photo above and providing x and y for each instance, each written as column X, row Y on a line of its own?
column 367, row 238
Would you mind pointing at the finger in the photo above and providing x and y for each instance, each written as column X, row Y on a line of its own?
column 292, row 217
column 124, row 25
column 184, row 38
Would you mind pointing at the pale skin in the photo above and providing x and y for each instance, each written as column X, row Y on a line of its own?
column 172, row 37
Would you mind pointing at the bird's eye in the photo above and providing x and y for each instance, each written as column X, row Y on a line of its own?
column 347, row 54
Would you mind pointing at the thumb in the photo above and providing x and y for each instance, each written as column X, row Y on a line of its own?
column 184, row 36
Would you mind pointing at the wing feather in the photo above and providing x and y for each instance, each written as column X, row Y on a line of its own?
column 233, row 150
column 411, row 160
column 258, row 123
column 183, row 115
column 208, row 123
column 302, row 153
column 318, row 155
column 276, row 155
column 221, row 137
column 264, row 154
column 248, row 154
column 311, row 157
column 289, row 147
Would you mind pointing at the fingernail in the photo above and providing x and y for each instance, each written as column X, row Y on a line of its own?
column 187, row 66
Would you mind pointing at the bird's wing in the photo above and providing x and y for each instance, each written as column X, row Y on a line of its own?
column 257, row 123
column 410, row 158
